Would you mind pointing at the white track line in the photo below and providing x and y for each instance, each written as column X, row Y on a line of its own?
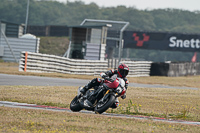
column 34, row 106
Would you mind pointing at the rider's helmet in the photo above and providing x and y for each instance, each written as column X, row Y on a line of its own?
column 123, row 70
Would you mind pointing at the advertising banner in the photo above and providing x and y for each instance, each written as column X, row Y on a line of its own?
column 162, row 41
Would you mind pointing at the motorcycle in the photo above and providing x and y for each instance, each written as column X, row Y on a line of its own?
column 100, row 98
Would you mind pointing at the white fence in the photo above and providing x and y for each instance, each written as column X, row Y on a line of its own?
column 138, row 68
column 35, row 62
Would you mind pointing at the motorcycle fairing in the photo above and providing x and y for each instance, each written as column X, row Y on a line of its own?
column 112, row 84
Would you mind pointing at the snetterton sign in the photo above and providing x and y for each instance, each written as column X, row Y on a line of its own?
column 162, row 41
column 192, row 43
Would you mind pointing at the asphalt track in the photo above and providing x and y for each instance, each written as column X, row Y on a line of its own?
column 6, row 79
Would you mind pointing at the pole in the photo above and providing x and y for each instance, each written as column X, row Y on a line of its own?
column 27, row 12
column 0, row 32
column 120, row 41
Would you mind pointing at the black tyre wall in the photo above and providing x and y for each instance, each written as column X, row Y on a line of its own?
column 106, row 106
column 75, row 105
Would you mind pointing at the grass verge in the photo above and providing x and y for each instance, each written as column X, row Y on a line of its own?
column 169, row 103
column 26, row 120
column 158, row 102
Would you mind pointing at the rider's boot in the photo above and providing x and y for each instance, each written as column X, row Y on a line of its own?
column 92, row 83
column 85, row 88
column 95, row 82
column 115, row 104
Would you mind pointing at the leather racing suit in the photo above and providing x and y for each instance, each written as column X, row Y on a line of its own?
column 98, row 81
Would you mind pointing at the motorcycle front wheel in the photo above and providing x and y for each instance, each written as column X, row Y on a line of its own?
column 75, row 105
column 104, row 105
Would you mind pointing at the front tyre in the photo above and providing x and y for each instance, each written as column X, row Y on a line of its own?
column 75, row 105
column 104, row 105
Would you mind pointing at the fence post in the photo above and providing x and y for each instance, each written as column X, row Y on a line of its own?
column 112, row 63
column 108, row 63
column 116, row 64
column 25, row 63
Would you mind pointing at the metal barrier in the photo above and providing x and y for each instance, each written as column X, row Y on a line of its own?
column 138, row 68
column 36, row 62
column 10, row 48
column 175, row 69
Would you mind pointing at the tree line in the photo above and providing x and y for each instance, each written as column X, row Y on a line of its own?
column 43, row 12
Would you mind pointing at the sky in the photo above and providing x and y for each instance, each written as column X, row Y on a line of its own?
column 191, row 5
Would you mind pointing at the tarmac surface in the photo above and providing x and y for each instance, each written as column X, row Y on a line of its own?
column 6, row 79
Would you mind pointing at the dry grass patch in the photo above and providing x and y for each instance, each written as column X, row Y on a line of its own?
column 168, row 103
column 27, row 120
column 161, row 102
column 41, row 95
column 186, row 81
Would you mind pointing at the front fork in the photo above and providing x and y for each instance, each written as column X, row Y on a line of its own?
column 106, row 95
column 107, row 92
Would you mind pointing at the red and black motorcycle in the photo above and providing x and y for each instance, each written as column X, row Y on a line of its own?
column 101, row 98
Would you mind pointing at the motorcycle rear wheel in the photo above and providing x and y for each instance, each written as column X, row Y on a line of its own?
column 75, row 105
column 101, row 107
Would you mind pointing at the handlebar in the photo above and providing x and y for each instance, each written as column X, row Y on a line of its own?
column 109, row 79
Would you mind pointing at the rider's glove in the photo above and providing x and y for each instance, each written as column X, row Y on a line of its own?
column 103, row 75
column 124, row 96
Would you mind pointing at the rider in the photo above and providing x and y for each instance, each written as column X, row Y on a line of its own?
column 121, row 72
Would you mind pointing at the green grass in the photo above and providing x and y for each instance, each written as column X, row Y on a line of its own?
column 53, row 45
